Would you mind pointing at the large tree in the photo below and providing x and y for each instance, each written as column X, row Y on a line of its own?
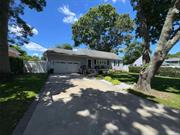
column 10, row 17
column 170, row 35
column 102, row 28
column 149, row 20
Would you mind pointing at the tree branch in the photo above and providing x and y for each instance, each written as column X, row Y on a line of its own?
column 174, row 40
column 175, row 32
column 167, row 28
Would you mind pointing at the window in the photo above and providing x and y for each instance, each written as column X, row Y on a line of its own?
column 100, row 62
column 94, row 62
column 107, row 62
column 114, row 63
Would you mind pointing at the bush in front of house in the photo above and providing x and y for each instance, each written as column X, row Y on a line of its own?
column 169, row 71
column 135, row 69
column 108, row 78
column 163, row 71
column 16, row 65
column 115, row 82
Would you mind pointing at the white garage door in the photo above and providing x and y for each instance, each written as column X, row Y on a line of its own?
column 66, row 67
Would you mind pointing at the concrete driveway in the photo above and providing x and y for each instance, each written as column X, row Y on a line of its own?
column 72, row 105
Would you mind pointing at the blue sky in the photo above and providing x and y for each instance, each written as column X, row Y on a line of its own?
column 53, row 25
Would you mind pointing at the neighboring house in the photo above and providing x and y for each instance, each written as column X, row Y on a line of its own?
column 138, row 62
column 172, row 62
column 12, row 52
column 68, row 61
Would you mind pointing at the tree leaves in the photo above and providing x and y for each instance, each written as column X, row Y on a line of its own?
column 132, row 52
column 65, row 46
column 16, row 9
column 101, row 28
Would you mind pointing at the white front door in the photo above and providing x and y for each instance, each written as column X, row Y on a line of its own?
column 66, row 67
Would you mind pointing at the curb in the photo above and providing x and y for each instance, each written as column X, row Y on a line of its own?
column 22, row 124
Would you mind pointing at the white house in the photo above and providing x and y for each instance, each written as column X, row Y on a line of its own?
column 172, row 62
column 138, row 62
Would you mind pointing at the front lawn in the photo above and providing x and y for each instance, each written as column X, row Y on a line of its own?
column 166, row 90
column 15, row 98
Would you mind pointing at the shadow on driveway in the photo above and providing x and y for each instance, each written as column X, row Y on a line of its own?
column 72, row 105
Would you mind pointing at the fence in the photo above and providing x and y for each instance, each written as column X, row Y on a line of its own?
column 121, row 67
column 35, row 66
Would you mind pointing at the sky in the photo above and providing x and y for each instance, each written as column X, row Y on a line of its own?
column 53, row 25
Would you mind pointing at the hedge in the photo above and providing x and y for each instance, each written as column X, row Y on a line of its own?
column 163, row 71
column 16, row 65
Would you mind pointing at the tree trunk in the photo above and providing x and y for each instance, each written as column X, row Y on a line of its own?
column 4, row 59
column 146, row 51
column 144, row 34
column 165, row 44
column 146, row 75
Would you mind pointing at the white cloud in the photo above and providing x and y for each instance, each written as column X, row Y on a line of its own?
column 18, row 31
column 70, row 17
column 35, row 31
column 35, row 54
column 114, row 1
column 32, row 46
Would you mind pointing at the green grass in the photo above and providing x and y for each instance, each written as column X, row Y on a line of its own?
column 15, row 98
column 168, row 86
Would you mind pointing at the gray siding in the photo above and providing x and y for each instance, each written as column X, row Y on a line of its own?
column 52, row 57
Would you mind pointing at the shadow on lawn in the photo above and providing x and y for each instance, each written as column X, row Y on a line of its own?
column 16, row 96
column 171, row 85
column 96, row 112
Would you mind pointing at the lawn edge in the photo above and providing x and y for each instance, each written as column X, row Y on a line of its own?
column 154, row 99
column 23, row 122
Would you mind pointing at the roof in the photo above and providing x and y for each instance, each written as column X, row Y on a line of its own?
column 13, row 50
column 173, row 59
column 85, row 52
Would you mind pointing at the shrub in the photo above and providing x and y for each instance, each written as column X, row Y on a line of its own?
column 108, row 78
column 169, row 71
column 16, row 65
column 115, row 82
column 163, row 71
column 135, row 69
column 99, row 77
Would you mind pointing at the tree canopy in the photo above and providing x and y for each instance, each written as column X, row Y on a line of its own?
column 24, row 55
column 19, row 30
column 175, row 55
column 65, row 46
column 168, row 37
column 13, row 29
column 149, row 20
column 102, row 28
column 132, row 52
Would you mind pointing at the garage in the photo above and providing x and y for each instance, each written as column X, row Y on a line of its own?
column 66, row 67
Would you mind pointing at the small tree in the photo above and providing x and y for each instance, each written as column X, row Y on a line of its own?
column 65, row 46
column 132, row 52
column 169, row 36
column 102, row 28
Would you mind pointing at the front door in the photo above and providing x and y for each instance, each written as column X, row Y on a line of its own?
column 89, row 63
